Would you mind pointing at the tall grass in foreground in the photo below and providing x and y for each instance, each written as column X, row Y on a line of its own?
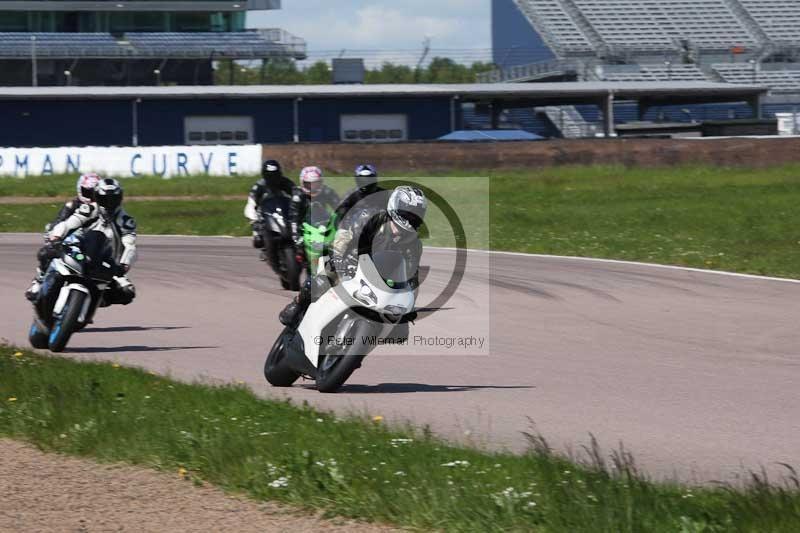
column 357, row 467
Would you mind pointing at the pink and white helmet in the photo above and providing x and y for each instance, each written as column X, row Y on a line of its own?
column 311, row 180
column 87, row 183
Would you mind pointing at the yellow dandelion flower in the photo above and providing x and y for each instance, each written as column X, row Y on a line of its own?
column 17, row 354
column 115, row 365
column 12, row 399
column 377, row 419
column 182, row 472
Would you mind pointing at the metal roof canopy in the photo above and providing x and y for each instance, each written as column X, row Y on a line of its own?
column 139, row 5
column 498, row 95
column 507, row 93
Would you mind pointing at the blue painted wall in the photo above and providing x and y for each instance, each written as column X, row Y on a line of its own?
column 428, row 118
column 161, row 122
column 514, row 41
column 53, row 123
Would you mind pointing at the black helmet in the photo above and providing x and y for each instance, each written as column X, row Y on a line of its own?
column 271, row 171
column 366, row 176
column 407, row 207
column 108, row 195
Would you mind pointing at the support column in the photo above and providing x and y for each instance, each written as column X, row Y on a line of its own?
column 643, row 107
column 496, row 110
column 454, row 102
column 755, row 104
column 296, row 119
column 608, row 115
column 135, row 121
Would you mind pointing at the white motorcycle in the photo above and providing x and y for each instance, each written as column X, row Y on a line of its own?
column 72, row 289
column 343, row 325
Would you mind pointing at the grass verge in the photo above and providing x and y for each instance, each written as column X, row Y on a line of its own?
column 741, row 220
column 354, row 467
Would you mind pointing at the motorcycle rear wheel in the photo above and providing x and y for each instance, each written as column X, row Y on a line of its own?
column 38, row 335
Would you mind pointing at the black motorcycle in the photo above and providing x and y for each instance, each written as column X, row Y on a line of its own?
column 276, row 231
column 72, row 289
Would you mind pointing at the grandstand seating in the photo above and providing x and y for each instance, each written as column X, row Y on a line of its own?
column 780, row 19
column 623, row 23
column 249, row 44
column 653, row 72
column 59, row 45
column 556, row 25
column 779, row 80
column 641, row 25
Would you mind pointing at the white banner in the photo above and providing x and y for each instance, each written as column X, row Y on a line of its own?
column 164, row 161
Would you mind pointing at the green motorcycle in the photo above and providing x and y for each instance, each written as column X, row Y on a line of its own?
column 319, row 231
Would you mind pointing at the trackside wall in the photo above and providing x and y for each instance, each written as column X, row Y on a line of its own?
column 440, row 156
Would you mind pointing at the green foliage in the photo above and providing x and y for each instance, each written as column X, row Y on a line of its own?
column 286, row 72
column 356, row 467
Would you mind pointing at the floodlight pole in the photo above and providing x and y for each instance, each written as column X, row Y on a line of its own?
column 34, row 67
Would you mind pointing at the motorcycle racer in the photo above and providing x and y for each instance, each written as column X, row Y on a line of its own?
column 106, row 215
column 85, row 187
column 393, row 227
column 272, row 183
column 366, row 177
column 312, row 190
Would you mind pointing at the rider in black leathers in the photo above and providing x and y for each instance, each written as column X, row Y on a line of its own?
column 366, row 186
column 394, row 227
column 272, row 183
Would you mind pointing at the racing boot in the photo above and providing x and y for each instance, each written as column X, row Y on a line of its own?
column 32, row 294
column 292, row 313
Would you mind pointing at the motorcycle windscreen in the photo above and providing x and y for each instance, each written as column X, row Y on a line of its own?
column 99, row 251
column 275, row 203
column 392, row 268
column 317, row 215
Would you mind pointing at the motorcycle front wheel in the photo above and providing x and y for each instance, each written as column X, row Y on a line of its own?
column 276, row 368
column 292, row 269
column 335, row 368
column 64, row 327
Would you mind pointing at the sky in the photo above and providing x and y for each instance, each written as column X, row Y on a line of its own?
column 391, row 30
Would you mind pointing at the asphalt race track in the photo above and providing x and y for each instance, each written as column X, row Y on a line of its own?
column 696, row 373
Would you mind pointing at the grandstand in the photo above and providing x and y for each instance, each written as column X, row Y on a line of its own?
column 132, row 42
column 684, row 35
column 730, row 41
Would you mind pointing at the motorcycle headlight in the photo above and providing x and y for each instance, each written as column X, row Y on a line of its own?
column 365, row 295
column 395, row 310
